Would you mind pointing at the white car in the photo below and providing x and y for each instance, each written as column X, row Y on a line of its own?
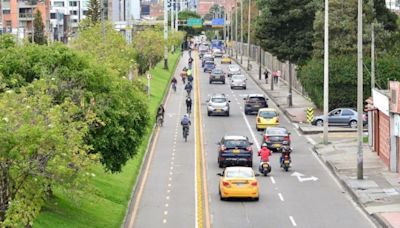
column 217, row 53
column 238, row 80
column 233, row 69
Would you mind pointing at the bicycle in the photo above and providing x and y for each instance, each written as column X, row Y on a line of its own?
column 188, row 92
column 160, row 121
column 185, row 132
column 189, row 110
column 174, row 87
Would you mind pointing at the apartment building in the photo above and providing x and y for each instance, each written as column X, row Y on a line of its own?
column 17, row 16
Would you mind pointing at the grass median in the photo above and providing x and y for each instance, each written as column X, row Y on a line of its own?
column 105, row 202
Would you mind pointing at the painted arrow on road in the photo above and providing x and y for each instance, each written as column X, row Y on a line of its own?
column 301, row 177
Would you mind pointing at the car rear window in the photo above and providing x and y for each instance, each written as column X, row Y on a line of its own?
column 218, row 100
column 236, row 143
column 256, row 99
column 241, row 173
column 277, row 131
column 238, row 76
column 268, row 114
column 217, row 71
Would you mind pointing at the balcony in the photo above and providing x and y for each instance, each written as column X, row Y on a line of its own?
column 25, row 16
column 27, row 3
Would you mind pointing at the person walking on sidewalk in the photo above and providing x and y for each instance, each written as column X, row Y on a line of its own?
column 278, row 74
column 266, row 75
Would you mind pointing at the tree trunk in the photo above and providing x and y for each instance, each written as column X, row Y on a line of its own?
column 4, row 191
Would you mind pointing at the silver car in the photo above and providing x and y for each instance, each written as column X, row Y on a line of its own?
column 233, row 69
column 238, row 80
column 218, row 104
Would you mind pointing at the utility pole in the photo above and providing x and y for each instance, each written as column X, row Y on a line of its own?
column 231, row 30
column 326, row 72
column 165, row 34
column 241, row 31
column 176, row 14
column 290, row 100
column 370, row 117
column 33, row 27
column 359, row 93
column 248, row 36
column 236, row 29
column 172, row 15
column 103, row 26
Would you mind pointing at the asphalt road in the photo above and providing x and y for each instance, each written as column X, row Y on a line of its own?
column 171, row 196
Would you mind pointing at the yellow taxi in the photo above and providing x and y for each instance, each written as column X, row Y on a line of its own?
column 226, row 59
column 238, row 182
column 267, row 117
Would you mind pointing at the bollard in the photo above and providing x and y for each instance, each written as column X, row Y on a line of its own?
column 310, row 115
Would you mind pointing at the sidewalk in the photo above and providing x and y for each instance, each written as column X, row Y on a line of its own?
column 378, row 194
column 297, row 113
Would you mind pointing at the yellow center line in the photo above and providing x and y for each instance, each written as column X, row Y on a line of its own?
column 202, row 194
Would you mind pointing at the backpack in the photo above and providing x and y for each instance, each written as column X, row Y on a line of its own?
column 185, row 121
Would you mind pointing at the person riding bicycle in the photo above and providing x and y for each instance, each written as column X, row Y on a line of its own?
column 174, row 82
column 188, row 104
column 185, row 122
column 160, row 111
column 190, row 76
column 190, row 61
column 188, row 88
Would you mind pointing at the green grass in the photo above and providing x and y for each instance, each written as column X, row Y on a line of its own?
column 105, row 205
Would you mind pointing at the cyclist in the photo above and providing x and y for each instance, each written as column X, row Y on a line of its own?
column 188, row 104
column 174, row 82
column 160, row 111
column 185, row 122
column 188, row 88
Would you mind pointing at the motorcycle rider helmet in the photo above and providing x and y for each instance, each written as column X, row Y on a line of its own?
column 186, row 116
column 263, row 145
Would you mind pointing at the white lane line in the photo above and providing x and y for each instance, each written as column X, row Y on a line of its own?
column 164, row 221
column 312, row 141
column 166, row 205
column 292, row 220
column 296, row 125
column 273, row 180
column 167, row 197
column 165, row 212
column 297, row 132
column 251, row 131
column 170, row 178
column 281, row 197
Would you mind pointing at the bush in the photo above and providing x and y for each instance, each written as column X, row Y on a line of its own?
column 343, row 78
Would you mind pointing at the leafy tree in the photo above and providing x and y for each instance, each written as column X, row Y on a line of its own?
column 94, row 12
column 40, row 145
column 286, row 28
column 114, row 53
column 148, row 44
column 185, row 15
column 7, row 41
column 38, row 28
column 175, row 38
column 215, row 11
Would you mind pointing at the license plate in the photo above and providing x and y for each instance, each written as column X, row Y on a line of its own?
column 216, row 76
column 218, row 110
column 236, row 151
column 265, row 165
column 276, row 145
column 256, row 106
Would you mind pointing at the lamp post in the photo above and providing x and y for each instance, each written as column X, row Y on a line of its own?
column 248, row 36
column 165, row 34
column 359, row 93
column 236, row 29
column 326, row 72
column 241, row 31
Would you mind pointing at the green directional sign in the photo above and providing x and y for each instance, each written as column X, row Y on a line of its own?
column 195, row 22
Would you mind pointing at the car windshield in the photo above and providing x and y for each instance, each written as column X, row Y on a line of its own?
column 277, row 131
column 236, row 143
column 234, row 68
column 218, row 100
column 256, row 99
column 217, row 71
column 239, row 173
column 268, row 114
column 238, row 77
column 209, row 63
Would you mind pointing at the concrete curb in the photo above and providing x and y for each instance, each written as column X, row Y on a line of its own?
column 376, row 219
column 150, row 143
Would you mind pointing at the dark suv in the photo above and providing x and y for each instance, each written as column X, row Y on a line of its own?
column 235, row 150
column 217, row 75
column 253, row 102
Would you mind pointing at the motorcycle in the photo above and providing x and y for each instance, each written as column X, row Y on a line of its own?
column 185, row 132
column 285, row 162
column 264, row 168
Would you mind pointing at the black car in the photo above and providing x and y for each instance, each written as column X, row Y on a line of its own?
column 209, row 66
column 206, row 58
column 276, row 137
column 217, row 75
column 235, row 150
column 253, row 102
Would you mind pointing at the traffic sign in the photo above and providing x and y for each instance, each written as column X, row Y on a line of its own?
column 195, row 22
column 218, row 23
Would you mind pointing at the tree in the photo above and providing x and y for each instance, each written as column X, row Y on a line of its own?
column 185, row 15
column 38, row 28
column 215, row 11
column 115, row 53
column 41, row 145
column 148, row 45
column 286, row 28
column 94, row 12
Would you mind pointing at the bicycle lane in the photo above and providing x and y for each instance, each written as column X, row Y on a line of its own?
column 167, row 197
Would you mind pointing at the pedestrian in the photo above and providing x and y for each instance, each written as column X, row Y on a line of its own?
column 266, row 74
column 278, row 74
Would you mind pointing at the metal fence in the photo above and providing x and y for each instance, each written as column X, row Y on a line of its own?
column 273, row 64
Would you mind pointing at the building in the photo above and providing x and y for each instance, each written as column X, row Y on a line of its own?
column 123, row 10
column 17, row 16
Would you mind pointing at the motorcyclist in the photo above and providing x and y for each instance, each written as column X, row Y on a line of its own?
column 188, row 104
column 189, row 76
column 190, row 62
column 264, row 152
column 188, row 88
column 286, row 150
column 185, row 122
column 174, row 82
column 160, row 111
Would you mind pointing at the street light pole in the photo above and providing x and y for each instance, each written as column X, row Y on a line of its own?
column 176, row 14
column 359, row 93
column 241, row 31
column 260, row 54
column 165, row 34
column 326, row 72
column 248, row 36
column 236, row 29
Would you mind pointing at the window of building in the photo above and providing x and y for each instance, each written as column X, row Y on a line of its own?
column 74, row 20
column 84, row 12
column 59, row 4
column 52, row 15
column 73, row 12
column 6, row 11
column 73, row 3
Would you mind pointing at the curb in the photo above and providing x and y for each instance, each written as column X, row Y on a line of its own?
column 150, row 143
column 376, row 219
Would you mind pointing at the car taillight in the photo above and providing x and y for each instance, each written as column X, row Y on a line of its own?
column 286, row 138
column 249, row 148
column 254, row 183
column 266, row 138
column 225, row 183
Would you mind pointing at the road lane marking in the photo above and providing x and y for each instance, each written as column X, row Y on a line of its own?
column 167, row 197
column 281, row 197
column 297, row 132
column 166, row 205
column 292, row 220
column 164, row 221
column 165, row 212
column 273, row 180
column 251, row 131
column 311, row 140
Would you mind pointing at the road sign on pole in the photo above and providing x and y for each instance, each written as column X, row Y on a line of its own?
column 195, row 22
column 310, row 114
